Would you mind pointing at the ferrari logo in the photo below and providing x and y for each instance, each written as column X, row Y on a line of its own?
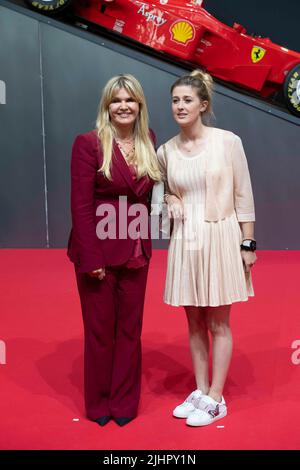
column 257, row 54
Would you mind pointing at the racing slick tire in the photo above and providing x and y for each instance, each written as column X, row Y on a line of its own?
column 291, row 90
column 49, row 7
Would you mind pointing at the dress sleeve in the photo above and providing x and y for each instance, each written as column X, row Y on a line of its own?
column 243, row 196
column 159, row 189
column 83, row 179
column 162, row 161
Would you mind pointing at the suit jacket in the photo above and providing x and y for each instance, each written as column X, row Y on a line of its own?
column 227, row 179
column 95, row 203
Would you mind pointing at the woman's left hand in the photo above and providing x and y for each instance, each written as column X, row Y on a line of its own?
column 98, row 273
column 249, row 259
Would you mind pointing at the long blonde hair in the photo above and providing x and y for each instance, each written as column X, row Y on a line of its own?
column 144, row 151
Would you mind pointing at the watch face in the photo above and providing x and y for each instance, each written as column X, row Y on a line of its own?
column 250, row 244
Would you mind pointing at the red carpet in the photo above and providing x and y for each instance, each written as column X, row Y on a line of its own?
column 41, row 382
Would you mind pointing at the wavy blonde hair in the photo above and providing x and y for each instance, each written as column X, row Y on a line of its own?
column 147, row 164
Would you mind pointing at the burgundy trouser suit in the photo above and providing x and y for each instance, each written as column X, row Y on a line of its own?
column 113, row 307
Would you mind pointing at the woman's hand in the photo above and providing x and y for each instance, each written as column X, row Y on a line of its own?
column 175, row 207
column 249, row 259
column 98, row 273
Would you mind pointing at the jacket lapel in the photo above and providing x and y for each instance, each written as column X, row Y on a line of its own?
column 137, row 186
column 121, row 165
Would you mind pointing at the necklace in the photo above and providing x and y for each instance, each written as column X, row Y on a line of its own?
column 129, row 140
column 189, row 146
column 192, row 145
column 129, row 154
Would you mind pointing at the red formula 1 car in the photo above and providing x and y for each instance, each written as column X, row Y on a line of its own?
column 184, row 29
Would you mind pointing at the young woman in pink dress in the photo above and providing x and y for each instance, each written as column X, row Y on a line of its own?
column 212, row 247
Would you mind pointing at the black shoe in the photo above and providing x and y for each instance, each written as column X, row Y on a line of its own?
column 123, row 421
column 103, row 420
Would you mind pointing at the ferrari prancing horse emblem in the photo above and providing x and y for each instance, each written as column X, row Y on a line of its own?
column 257, row 54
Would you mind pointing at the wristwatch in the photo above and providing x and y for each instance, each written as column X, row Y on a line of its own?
column 248, row 245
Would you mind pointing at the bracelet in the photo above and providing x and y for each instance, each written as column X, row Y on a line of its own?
column 166, row 196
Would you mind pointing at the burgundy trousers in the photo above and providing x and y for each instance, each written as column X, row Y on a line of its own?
column 112, row 312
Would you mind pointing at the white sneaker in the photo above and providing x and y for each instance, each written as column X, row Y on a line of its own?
column 207, row 411
column 189, row 405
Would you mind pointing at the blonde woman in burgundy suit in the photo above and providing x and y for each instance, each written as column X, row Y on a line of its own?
column 113, row 170
column 212, row 248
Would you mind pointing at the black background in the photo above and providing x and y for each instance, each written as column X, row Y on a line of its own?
column 276, row 19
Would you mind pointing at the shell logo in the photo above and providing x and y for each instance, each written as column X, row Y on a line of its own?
column 182, row 32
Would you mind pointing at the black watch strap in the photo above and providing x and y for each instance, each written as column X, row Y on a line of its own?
column 248, row 245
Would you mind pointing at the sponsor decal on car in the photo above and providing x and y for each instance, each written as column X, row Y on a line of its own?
column 206, row 43
column 119, row 25
column 257, row 54
column 182, row 32
column 156, row 19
